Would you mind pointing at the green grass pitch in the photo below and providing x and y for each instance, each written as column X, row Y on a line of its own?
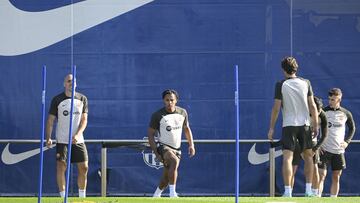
column 182, row 200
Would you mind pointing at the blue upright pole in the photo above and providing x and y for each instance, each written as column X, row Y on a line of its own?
column 42, row 131
column 237, row 133
column 70, row 134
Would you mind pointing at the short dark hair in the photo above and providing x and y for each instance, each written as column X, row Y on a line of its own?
column 335, row 92
column 289, row 65
column 170, row 91
column 318, row 103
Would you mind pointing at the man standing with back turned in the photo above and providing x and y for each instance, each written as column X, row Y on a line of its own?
column 60, row 110
column 295, row 97
column 168, row 122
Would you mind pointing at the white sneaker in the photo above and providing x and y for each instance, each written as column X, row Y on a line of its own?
column 310, row 195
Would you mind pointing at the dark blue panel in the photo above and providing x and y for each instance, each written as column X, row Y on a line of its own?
column 41, row 5
column 192, row 46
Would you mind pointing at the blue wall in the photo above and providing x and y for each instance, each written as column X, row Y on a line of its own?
column 192, row 46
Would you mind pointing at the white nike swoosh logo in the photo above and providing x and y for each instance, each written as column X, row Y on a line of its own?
column 9, row 158
column 256, row 158
column 24, row 32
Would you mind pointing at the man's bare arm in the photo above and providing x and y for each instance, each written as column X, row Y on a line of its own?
column 314, row 115
column 151, row 138
column 189, row 137
column 49, row 129
column 81, row 128
column 274, row 116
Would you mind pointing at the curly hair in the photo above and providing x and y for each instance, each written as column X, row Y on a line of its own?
column 289, row 65
column 170, row 91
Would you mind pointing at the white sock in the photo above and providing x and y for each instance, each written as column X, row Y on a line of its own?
column 82, row 193
column 308, row 188
column 62, row 194
column 288, row 190
column 172, row 190
column 157, row 192
column 333, row 195
column 315, row 191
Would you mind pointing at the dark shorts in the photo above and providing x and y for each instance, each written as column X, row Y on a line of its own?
column 337, row 161
column 291, row 135
column 78, row 152
column 297, row 155
column 162, row 149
